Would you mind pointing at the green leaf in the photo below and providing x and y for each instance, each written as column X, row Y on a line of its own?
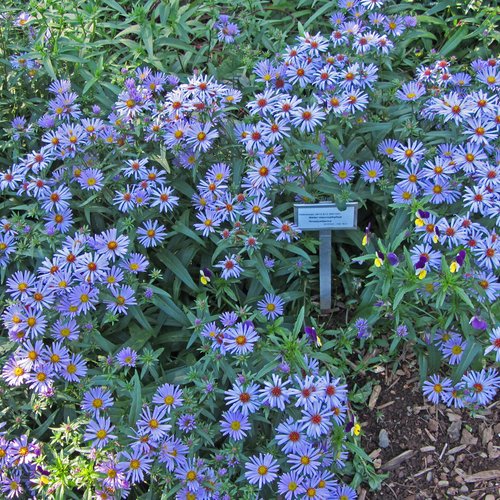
column 175, row 44
column 472, row 350
column 40, row 431
column 325, row 8
column 175, row 265
column 116, row 6
column 162, row 300
column 47, row 64
column 297, row 328
column 440, row 6
column 138, row 315
column 183, row 229
column 135, row 400
column 422, row 363
column 263, row 272
column 461, row 293
column 454, row 41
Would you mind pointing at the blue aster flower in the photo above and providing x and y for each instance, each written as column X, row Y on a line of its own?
column 261, row 469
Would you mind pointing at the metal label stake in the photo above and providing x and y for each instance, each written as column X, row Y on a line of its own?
column 325, row 270
column 325, row 217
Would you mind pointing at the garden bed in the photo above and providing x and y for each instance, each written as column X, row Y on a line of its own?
column 162, row 335
column 433, row 451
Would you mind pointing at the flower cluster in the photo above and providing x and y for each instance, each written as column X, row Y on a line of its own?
column 227, row 31
column 51, row 306
column 475, row 389
column 460, row 181
column 311, row 408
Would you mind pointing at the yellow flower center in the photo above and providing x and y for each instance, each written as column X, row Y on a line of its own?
column 101, row 434
column 262, row 470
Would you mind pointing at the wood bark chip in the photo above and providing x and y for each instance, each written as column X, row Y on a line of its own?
column 374, row 396
column 485, row 475
column 393, row 463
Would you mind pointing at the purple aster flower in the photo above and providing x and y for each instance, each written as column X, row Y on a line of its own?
column 110, row 245
column 134, row 465
column 343, row 172
column 316, row 420
column 114, row 276
column 290, row 485
column 12, row 484
column 190, row 473
column 275, row 393
column 290, row 435
column 235, row 424
column 41, row 378
column 13, row 373
column 169, row 396
column 151, row 234
column 305, row 460
column 240, row 339
column 21, row 451
column 454, row 349
column 228, row 318
column 99, row 432
column 411, row 91
column 84, row 298
column 126, row 357
column 172, row 453
column 243, row 398
column 436, row 388
column 257, row 210
column 285, row 230
column 371, row 171
column 75, row 369
column 123, row 298
column 308, row 118
column 96, row 400
column 20, row 284
column 307, row 391
column 92, row 267
column 454, row 398
column 154, row 423
column 164, row 199
column 136, row 263
column 494, row 344
column 261, row 469
column 344, row 492
column 201, row 137
column 113, row 477
column 335, row 393
column 410, row 153
column 230, row 267
column 57, row 356
column 271, row 306
column 91, row 179
column 209, row 220
column 30, row 355
column 186, row 422
column 480, row 387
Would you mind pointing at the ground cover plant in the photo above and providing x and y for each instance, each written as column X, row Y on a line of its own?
column 162, row 336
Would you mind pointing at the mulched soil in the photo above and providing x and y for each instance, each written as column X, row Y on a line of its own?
column 434, row 452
